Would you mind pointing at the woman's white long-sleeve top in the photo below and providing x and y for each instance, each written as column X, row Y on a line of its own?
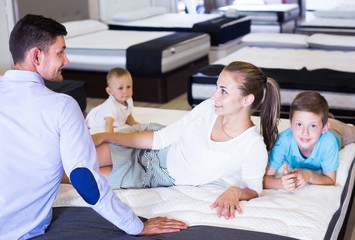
column 194, row 158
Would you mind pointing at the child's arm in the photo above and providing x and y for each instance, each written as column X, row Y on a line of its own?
column 287, row 181
column 130, row 120
column 109, row 124
column 305, row 176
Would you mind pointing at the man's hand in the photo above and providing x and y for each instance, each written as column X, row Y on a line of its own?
column 160, row 225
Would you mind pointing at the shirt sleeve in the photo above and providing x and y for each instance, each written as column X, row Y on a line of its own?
column 108, row 109
column 330, row 160
column 278, row 152
column 81, row 166
column 253, row 168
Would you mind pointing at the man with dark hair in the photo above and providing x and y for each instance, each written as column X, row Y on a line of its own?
column 42, row 132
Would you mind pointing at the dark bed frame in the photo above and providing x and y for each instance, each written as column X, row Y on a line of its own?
column 83, row 223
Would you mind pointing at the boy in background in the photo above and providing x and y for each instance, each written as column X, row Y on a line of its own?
column 309, row 149
column 116, row 111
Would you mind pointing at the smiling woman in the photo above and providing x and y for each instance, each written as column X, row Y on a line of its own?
column 186, row 152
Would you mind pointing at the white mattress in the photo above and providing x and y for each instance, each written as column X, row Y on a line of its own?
column 260, row 12
column 329, row 22
column 341, row 10
column 303, row 214
column 170, row 20
column 186, row 21
column 288, row 58
column 106, row 49
column 291, row 59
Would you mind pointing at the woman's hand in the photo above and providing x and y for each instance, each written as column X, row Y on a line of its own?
column 229, row 201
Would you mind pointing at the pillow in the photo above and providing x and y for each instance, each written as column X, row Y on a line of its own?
column 278, row 40
column 333, row 42
column 138, row 14
column 82, row 27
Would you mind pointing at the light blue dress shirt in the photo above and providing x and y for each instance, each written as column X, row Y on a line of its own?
column 40, row 133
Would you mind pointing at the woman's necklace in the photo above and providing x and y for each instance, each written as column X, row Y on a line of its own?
column 224, row 130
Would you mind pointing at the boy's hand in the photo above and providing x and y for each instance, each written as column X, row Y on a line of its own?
column 303, row 177
column 288, row 180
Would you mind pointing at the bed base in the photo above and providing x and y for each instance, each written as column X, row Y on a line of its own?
column 146, row 88
column 75, row 89
column 309, row 30
column 71, row 223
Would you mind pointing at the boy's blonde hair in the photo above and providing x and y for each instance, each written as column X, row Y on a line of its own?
column 117, row 72
column 310, row 101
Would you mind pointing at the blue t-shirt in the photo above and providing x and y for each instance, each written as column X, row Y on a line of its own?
column 324, row 156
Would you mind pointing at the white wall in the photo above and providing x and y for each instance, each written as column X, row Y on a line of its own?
column 6, row 22
column 94, row 9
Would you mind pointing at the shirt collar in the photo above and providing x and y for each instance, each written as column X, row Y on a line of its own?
column 22, row 76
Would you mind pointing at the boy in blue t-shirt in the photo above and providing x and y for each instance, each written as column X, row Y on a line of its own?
column 309, row 149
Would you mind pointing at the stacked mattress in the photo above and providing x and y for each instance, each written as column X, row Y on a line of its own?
column 220, row 28
column 100, row 49
column 159, row 62
column 296, row 69
column 338, row 19
column 225, row 32
column 265, row 14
